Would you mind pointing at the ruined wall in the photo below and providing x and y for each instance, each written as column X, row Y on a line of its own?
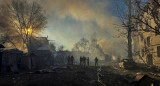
column 147, row 43
column 155, row 44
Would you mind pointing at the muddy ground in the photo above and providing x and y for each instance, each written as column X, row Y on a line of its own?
column 73, row 76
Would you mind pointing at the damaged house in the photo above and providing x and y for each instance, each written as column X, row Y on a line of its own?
column 148, row 48
column 147, row 42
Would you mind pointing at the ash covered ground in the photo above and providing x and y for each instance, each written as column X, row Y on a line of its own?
column 82, row 76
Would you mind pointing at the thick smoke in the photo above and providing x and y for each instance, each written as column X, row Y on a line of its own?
column 70, row 20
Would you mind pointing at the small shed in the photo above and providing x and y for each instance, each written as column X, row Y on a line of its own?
column 10, row 60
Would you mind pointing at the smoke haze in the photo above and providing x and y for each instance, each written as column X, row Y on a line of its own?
column 70, row 20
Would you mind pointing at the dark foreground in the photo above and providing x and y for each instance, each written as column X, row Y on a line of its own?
column 80, row 76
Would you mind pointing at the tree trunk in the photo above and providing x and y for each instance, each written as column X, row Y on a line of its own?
column 129, row 32
column 129, row 45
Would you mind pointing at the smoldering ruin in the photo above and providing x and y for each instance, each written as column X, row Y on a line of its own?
column 79, row 43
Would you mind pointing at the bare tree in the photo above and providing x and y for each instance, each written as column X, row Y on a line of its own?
column 61, row 48
column 26, row 18
column 82, row 45
column 125, row 11
column 148, row 17
column 8, row 35
column 52, row 46
column 76, row 47
column 89, row 47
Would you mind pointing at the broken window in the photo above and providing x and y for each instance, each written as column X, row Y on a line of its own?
column 149, row 59
column 141, row 35
column 145, row 42
column 148, row 41
column 158, row 51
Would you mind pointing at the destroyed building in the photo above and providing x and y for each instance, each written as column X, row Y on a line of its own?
column 41, row 55
column 37, row 42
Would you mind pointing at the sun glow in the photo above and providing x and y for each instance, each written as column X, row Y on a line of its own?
column 29, row 30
